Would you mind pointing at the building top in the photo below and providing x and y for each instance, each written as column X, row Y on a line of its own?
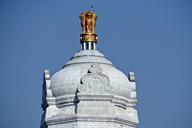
column 65, row 81
column 89, row 91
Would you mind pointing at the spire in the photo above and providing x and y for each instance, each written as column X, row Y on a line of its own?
column 88, row 38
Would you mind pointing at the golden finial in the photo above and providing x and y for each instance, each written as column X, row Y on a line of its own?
column 88, row 23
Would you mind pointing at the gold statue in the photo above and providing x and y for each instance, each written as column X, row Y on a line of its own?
column 88, row 22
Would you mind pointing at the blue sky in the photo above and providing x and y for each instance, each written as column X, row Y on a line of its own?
column 153, row 38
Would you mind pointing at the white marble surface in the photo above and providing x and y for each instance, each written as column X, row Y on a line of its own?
column 89, row 92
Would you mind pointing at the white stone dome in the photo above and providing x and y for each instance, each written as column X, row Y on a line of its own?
column 65, row 81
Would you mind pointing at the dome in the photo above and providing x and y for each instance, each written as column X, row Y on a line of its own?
column 88, row 91
column 66, row 81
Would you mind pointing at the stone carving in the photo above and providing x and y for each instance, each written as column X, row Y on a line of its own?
column 131, row 77
column 94, row 82
column 46, row 89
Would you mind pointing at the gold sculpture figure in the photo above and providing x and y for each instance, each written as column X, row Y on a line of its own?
column 88, row 23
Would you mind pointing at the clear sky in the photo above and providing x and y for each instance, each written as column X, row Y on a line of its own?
column 153, row 38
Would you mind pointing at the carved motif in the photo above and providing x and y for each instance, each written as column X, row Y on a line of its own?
column 94, row 82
